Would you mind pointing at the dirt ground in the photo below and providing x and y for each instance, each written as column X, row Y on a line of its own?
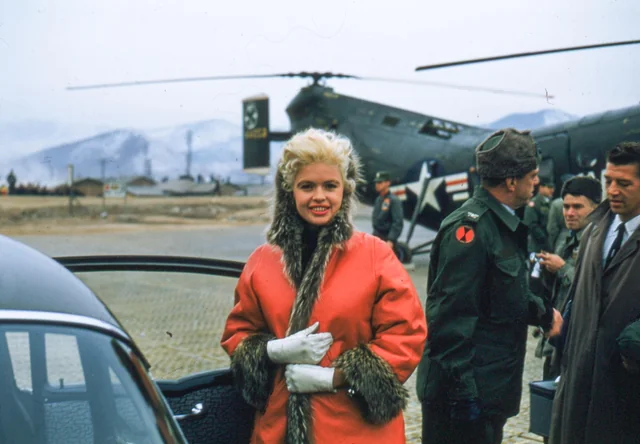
column 21, row 215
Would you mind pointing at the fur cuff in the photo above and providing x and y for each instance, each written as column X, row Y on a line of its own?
column 252, row 370
column 381, row 396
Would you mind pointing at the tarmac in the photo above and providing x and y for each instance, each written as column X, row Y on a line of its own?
column 177, row 320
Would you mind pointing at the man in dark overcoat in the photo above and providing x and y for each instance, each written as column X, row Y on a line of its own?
column 598, row 396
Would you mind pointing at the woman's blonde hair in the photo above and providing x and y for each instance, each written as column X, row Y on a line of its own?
column 316, row 145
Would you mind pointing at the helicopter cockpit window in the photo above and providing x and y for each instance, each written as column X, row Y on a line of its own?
column 429, row 128
column 390, row 121
column 438, row 128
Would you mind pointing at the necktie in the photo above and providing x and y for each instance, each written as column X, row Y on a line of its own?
column 569, row 245
column 615, row 247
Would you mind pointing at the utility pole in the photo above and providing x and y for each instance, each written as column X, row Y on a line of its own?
column 189, row 138
column 103, row 169
column 70, row 180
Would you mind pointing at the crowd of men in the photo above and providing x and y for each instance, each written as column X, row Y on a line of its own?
column 481, row 298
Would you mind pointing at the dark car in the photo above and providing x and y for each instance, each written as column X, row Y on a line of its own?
column 71, row 373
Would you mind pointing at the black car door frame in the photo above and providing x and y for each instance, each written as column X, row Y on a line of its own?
column 207, row 405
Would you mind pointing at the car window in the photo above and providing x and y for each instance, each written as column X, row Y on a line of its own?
column 176, row 319
column 71, row 385
column 62, row 360
column 19, row 352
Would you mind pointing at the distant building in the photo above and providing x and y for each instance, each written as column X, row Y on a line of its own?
column 88, row 186
column 179, row 187
column 140, row 181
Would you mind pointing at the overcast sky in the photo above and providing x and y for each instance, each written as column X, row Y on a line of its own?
column 47, row 45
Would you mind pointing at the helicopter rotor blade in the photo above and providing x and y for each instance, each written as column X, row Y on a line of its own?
column 160, row 81
column 460, row 87
column 525, row 54
column 313, row 75
column 316, row 76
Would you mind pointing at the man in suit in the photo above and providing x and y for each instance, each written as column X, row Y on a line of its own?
column 598, row 397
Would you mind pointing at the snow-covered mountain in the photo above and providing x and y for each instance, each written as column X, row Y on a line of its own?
column 19, row 138
column 216, row 149
column 532, row 120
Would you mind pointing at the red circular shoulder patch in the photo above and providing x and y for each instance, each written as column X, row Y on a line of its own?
column 465, row 234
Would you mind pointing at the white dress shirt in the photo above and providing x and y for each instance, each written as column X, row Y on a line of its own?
column 629, row 227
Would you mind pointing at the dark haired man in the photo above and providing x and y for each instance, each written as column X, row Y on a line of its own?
column 580, row 196
column 598, row 397
column 479, row 303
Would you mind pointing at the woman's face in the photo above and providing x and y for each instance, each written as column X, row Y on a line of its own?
column 318, row 191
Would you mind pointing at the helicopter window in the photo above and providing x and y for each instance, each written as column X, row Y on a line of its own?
column 451, row 128
column 390, row 121
column 429, row 128
column 439, row 128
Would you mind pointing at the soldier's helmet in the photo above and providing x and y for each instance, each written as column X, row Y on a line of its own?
column 382, row 176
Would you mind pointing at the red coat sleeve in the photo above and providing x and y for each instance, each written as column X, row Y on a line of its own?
column 245, row 339
column 246, row 316
column 398, row 321
column 376, row 371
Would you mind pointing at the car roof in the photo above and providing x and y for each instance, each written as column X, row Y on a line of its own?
column 32, row 281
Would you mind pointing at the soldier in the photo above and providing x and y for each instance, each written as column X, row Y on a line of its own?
column 556, row 228
column 536, row 216
column 11, row 180
column 555, row 224
column 580, row 195
column 479, row 303
column 387, row 211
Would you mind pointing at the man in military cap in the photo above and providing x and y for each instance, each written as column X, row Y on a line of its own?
column 580, row 196
column 479, row 303
column 536, row 216
column 387, row 211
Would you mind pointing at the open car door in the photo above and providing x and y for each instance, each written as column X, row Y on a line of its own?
column 175, row 309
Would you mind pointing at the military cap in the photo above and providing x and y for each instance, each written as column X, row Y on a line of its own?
column 382, row 176
column 506, row 153
column 583, row 186
column 546, row 181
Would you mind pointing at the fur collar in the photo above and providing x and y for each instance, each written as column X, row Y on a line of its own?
column 286, row 233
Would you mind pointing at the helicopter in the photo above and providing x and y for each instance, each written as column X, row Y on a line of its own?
column 431, row 160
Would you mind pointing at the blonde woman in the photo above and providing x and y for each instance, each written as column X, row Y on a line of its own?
column 327, row 325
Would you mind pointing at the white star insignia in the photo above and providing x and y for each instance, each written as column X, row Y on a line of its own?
column 430, row 195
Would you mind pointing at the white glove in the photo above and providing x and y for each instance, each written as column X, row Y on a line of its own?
column 303, row 378
column 303, row 347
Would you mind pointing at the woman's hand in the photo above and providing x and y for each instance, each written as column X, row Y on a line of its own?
column 303, row 347
column 302, row 378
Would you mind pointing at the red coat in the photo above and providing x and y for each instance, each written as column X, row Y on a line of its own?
column 366, row 297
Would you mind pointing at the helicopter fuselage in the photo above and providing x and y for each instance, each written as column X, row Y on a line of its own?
column 415, row 148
